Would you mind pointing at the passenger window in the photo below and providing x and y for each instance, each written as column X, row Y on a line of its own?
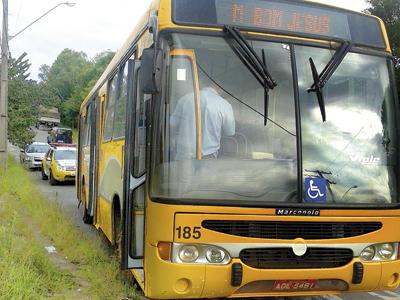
column 142, row 121
column 120, row 106
column 112, row 95
column 87, row 125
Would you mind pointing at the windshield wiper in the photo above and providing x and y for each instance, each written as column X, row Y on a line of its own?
column 256, row 65
column 321, row 79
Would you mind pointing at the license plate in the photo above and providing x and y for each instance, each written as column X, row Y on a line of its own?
column 283, row 285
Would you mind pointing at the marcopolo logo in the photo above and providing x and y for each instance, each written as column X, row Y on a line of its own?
column 297, row 212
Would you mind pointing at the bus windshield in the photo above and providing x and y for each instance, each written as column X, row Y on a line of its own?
column 214, row 145
column 356, row 149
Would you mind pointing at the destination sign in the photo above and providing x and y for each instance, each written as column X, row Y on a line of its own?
column 283, row 17
column 290, row 17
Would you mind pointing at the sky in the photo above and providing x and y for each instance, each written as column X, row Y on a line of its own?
column 91, row 26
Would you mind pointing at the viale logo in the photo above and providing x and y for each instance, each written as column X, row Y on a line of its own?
column 365, row 160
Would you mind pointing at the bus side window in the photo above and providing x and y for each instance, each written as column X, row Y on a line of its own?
column 142, row 112
column 120, row 105
column 112, row 95
column 87, row 125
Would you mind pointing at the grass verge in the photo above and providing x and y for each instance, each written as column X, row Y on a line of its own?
column 93, row 263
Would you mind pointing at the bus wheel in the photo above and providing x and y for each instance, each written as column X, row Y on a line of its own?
column 87, row 218
column 117, row 231
column 53, row 181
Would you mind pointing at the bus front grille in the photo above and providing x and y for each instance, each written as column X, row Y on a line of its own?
column 284, row 258
column 291, row 230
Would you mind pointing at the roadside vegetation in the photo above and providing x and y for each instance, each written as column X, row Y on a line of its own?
column 27, row 270
column 63, row 85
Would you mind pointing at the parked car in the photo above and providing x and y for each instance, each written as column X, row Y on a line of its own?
column 60, row 135
column 33, row 154
column 59, row 163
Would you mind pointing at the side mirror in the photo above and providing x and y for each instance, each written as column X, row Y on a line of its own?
column 151, row 66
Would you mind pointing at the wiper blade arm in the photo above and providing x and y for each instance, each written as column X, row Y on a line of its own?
column 252, row 61
column 266, row 93
column 321, row 79
column 256, row 65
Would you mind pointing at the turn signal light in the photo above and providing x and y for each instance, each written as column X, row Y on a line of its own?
column 164, row 250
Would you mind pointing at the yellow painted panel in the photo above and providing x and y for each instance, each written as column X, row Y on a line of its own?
column 105, row 220
column 165, row 280
column 385, row 234
column 390, row 275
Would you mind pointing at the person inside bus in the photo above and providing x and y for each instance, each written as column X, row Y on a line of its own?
column 217, row 120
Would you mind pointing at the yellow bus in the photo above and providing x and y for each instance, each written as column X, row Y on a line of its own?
column 247, row 148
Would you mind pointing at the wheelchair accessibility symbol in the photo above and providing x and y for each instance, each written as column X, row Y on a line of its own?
column 315, row 190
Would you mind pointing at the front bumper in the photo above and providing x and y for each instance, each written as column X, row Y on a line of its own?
column 33, row 164
column 212, row 281
column 61, row 175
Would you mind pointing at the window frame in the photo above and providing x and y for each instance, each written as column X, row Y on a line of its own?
column 108, row 108
column 121, row 71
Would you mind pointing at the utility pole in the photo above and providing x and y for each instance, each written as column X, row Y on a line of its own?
column 4, row 88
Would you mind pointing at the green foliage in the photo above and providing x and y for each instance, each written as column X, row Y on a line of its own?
column 64, row 74
column 44, row 72
column 71, row 77
column 19, row 67
column 64, row 85
column 21, row 113
column 25, row 273
column 389, row 12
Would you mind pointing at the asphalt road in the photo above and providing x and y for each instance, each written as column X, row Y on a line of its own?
column 65, row 196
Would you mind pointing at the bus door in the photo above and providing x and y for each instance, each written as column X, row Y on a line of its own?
column 93, row 146
column 134, row 174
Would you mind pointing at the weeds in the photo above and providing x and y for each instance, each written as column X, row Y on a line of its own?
column 25, row 260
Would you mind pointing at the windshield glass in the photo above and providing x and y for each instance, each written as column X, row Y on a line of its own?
column 65, row 154
column 355, row 151
column 215, row 144
column 38, row 148
column 212, row 144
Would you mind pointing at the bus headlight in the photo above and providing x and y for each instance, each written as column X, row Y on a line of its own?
column 215, row 255
column 380, row 252
column 188, row 253
column 368, row 253
column 199, row 254
column 385, row 251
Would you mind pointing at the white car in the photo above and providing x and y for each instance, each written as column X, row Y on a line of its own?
column 32, row 155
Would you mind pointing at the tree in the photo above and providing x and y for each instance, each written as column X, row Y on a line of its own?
column 44, row 72
column 19, row 67
column 22, row 94
column 89, row 78
column 71, row 77
column 21, row 114
column 389, row 12
column 64, row 75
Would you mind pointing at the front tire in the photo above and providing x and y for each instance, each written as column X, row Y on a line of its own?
column 87, row 218
column 117, row 234
column 53, row 181
column 44, row 176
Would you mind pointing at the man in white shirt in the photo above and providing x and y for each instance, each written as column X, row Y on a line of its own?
column 217, row 120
